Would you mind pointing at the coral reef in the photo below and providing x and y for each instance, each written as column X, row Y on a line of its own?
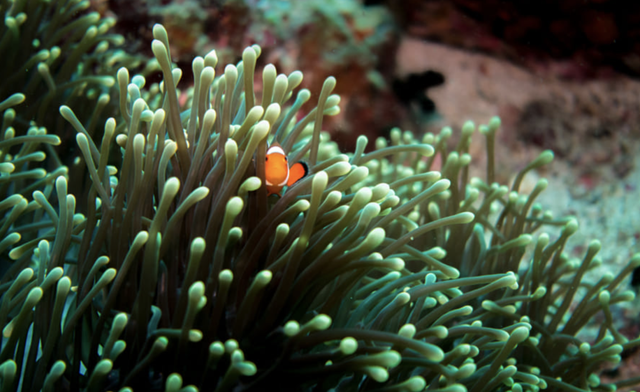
column 593, row 38
column 376, row 272
column 346, row 39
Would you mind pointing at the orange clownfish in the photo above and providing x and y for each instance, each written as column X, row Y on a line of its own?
column 277, row 171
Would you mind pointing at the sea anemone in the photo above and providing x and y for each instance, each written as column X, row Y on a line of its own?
column 375, row 272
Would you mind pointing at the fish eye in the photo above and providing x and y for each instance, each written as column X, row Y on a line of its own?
column 266, row 158
column 286, row 159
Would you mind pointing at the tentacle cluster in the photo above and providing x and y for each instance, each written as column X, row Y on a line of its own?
column 376, row 272
column 56, row 52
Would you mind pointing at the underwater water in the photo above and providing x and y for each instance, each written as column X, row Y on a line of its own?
column 318, row 196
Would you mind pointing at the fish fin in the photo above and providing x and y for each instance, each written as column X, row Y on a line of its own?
column 296, row 172
column 274, row 190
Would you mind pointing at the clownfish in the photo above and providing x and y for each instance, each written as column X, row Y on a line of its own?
column 277, row 171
